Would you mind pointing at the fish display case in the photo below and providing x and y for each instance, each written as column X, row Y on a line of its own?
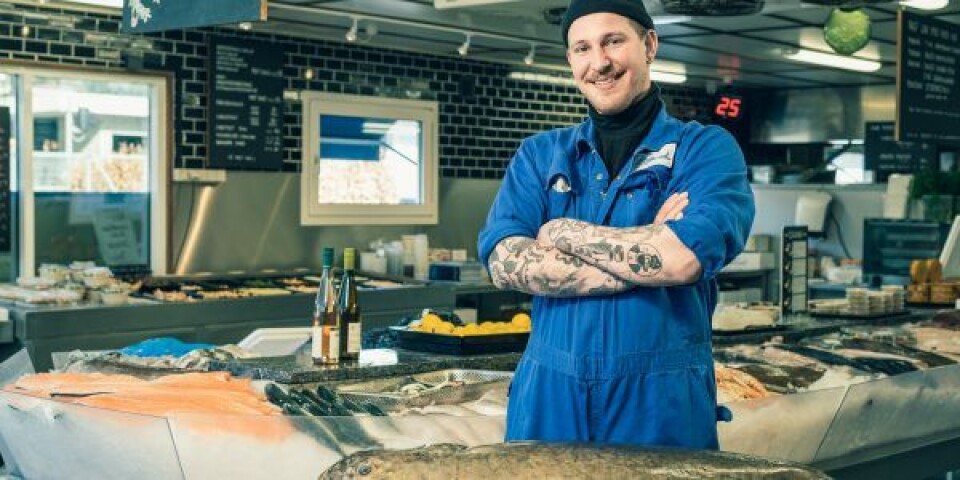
column 108, row 444
column 877, row 420
column 222, row 320
column 828, row 429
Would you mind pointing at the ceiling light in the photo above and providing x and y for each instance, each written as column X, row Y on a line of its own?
column 664, row 77
column 542, row 78
column 530, row 56
column 667, row 77
column 925, row 4
column 831, row 60
column 464, row 49
column 668, row 19
column 25, row 31
column 351, row 35
column 308, row 74
column 101, row 3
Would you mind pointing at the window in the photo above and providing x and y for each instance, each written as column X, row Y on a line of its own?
column 368, row 160
column 92, row 168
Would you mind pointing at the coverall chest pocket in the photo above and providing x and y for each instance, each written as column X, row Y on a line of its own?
column 560, row 204
column 640, row 197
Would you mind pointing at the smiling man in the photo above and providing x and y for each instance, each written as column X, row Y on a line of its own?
column 618, row 227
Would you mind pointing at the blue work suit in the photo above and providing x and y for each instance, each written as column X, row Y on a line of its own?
column 634, row 367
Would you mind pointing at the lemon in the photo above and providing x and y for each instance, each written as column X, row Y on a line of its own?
column 444, row 327
column 521, row 320
column 432, row 320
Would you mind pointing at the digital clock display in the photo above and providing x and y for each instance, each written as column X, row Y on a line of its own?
column 728, row 106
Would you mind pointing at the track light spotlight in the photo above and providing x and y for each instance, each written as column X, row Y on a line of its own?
column 245, row 26
column 530, row 56
column 464, row 49
column 351, row 35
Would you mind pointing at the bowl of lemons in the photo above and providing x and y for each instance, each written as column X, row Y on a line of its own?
column 431, row 332
column 433, row 323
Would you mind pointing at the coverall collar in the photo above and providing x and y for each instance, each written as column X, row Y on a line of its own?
column 665, row 129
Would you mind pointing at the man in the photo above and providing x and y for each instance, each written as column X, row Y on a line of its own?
column 618, row 227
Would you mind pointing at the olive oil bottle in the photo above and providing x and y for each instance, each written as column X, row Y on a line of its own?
column 326, row 333
column 348, row 310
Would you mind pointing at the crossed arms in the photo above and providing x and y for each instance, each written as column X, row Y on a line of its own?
column 574, row 258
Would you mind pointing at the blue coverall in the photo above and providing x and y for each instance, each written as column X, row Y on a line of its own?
column 634, row 367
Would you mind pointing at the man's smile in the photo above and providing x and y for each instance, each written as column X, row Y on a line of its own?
column 606, row 82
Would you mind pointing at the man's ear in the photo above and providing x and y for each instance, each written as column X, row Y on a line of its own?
column 652, row 42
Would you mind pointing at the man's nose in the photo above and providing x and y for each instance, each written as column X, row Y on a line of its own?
column 601, row 62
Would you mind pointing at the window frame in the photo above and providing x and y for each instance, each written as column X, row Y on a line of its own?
column 161, row 139
column 312, row 213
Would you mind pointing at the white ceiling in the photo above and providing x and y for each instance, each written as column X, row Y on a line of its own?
column 743, row 49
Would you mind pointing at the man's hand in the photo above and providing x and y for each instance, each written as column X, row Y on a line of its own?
column 672, row 209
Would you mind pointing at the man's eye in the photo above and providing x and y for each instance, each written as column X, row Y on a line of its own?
column 579, row 49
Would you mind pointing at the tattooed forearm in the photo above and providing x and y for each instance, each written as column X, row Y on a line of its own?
column 648, row 255
column 523, row 264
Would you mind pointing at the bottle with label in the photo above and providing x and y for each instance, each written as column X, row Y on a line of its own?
column 348, row 310
column 326, row 333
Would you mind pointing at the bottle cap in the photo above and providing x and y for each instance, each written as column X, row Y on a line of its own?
column 327, row 256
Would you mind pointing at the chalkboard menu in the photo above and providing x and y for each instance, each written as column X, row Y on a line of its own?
column 885, row 155
column 246, row 104
column 928, row 79
column 142, row 16
column 4, row 179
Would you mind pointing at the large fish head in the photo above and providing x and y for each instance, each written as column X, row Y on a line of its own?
column 390, row 464
column 366, row 465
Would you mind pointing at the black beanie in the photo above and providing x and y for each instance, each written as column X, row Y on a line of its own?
column 632, row 9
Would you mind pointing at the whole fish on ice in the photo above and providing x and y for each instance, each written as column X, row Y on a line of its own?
column 522, row 460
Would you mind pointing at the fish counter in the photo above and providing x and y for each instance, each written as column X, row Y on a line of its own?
column 46, row 329
column 832, row 394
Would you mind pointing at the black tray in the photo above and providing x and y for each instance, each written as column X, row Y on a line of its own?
column 466, row 345
column 860, row 317
column 948, row 306
column 749, row 330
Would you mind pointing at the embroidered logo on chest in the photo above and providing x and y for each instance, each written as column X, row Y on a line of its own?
column 664, row 157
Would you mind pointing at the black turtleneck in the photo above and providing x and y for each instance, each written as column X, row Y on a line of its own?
column 619, row 134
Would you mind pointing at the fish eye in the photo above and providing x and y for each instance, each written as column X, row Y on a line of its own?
column 364, row 469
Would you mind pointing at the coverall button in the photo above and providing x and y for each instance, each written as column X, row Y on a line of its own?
column 599, row 176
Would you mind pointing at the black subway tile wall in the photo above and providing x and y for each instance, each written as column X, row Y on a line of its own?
column 483, row 114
